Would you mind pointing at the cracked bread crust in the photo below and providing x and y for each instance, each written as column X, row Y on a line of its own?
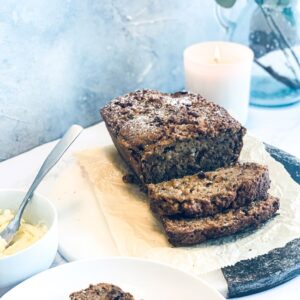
column 206, row 194
column 186, row 232
column 163, row 136
column 101, row 291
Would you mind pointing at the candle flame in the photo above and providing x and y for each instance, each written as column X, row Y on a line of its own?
column 217, row 55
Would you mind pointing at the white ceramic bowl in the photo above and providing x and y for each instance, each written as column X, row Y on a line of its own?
column 38, row 256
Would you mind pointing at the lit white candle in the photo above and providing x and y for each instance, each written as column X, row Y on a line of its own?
column 220, row 72
column 217, row 55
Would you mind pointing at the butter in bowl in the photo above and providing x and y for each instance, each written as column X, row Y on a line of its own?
column 34, row 247
column 27, row 234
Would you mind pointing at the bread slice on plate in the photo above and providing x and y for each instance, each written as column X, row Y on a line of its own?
column 101, row 291
column 185, row 232
column 206, row 194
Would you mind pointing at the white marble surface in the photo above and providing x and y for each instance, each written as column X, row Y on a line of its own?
column 279, row 127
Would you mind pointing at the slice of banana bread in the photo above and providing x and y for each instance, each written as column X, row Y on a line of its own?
column 206, row 194
column 163, row 136
column 185, row 232
column 101, row 291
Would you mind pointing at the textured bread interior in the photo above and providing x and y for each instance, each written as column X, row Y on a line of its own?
column 188, row 157
column 182, row 232
column 208, row 193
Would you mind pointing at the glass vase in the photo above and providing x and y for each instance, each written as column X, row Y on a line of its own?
column 271, row 29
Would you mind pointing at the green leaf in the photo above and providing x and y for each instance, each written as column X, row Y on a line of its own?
column 226, row 3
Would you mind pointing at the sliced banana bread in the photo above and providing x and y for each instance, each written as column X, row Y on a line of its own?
column 206, row 194
column 185, row 232
column 101, row 291
column 163, row 136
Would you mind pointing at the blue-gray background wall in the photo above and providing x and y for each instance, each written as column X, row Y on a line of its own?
column 61, row 60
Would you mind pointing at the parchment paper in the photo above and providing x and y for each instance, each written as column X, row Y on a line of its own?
column 137, row 233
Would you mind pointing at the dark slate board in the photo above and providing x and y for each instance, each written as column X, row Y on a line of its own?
column 277, row 266
column 290, row 162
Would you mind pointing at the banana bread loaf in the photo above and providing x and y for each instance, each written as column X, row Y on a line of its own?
column 101, row 291
column 206, row 194
column 185, row 232
column 163, row 136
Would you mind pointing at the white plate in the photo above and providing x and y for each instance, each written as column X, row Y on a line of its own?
column 143, row 279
